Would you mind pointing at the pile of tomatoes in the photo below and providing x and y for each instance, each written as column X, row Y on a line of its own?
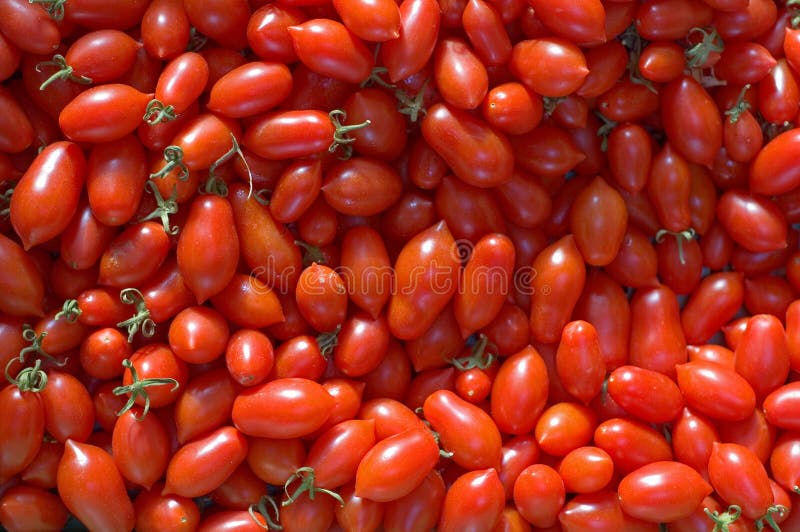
column 390, row 265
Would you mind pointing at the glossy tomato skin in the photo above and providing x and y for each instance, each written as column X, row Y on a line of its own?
column 657, row 340
column 208, row 247
column 753, row 221
column 115, row 179
column 771, row 171
column 22, row 428
column 560, row 275
column 598, row 220
column 475, row 499
column 679, row 488
column 712, row 304
column 336, row 453
column 396, row 465
column 239, row 92
column 158, row 512
column 419, row 27
column 27, row 507
column 104, row 113
column 519, row 392
column 752, row 493
column 420, row 295
column 699, row 136
column 165, row 29
column 549, row 66
column 539, row 494
column 69, row 413
column 223, row 21
column 203, row 464
column 715, row 390
column 474, row 151
column 282, row 408
column 464, row 429
column 329, row 48
column 631, row 444
column 22, row 282
column 649, row 395
column 140, row 447
column 55, row 177
column 485, row 282
column 134, row 255
column 779, row 406
column 87, row 475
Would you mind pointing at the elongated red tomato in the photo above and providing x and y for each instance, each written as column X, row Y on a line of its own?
column 715, row 390
column 649, row 395
column 208, row 247
column 282, row 408
column 396, row 465
column 241, row 92
column 410, row 51
column 560, row 274
column 598, row 220
column 21, row 429
column 549, row 66
column 426, row 277
column 464, row 429
column 87, row 474
column 519, row 392
column 21, row 282
column 327, row 47
column 753, row 221
column 657, row 341
column 772, row 171
column 485, row 282
column 475, row 499
column 29, row 27
column 202, row 465
column 662, row 491
column 103, row 113
column 751, row 490
column 55, row 177
column 474, row 151
column 366, row 269
column 581, row 22
column 698, row 136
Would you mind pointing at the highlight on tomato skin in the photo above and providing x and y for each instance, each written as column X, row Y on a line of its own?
column 399, row 265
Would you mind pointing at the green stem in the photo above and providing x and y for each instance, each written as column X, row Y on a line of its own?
column 156, row 112
column 722, row 521
column 328, row 340
column 769, row 518
column 54, row 7
column 680, row 236
column 141, row 319
column 710, row 42
column 260, row 508
column 311, row 254
column 341, row 139
column 29, row 379
column 412, row 107
column 64, row 72
column 173, row 155
column 164, row 208
column 69, row 311
column 138, row 388
column 5, row 203
column 739, row 107
column 480, row 357
column 306, row 477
